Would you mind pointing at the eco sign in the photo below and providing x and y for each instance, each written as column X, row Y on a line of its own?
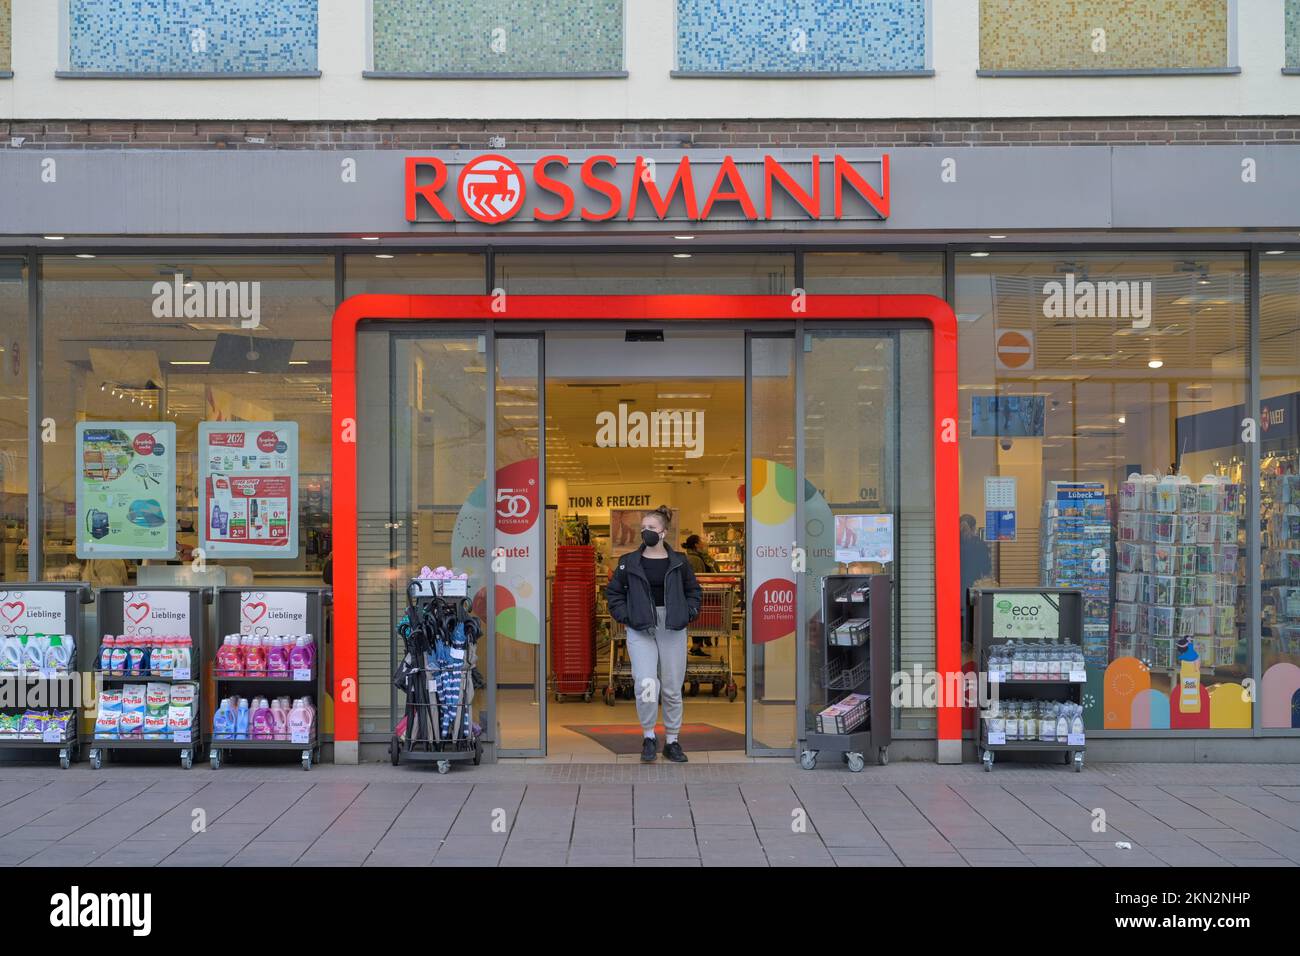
column 126, row 490
column 1026, row 617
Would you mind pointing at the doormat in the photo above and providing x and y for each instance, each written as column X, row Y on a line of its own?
column 626, row 738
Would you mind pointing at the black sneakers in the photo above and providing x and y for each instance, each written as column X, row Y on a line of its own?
column 674, row 752
column 649, row 745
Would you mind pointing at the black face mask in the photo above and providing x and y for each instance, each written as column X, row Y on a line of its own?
column 651, row 538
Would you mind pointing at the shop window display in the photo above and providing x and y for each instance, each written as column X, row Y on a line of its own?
column 1101, row 449
column 184, row 340
column 1279, row 492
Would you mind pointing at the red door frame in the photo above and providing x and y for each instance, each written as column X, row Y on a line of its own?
column 636, row 308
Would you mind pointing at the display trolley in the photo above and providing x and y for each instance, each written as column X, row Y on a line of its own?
column 238, row 610
column 436, row 674
column 855, row 641
column 1028, row 642
column 42, row 610
column 143, row 614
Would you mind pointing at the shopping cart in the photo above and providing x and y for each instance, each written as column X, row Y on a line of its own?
column 714, row 621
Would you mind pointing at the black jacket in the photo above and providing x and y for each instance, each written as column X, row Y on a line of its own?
column 629, row 597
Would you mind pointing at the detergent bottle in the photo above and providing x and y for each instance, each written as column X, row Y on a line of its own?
column 228, row 659
column 280, row 719
column 262, row 726
column 277, row 658
column 118, row 661
column 303, row 653
column 106, row 652
column 11, row 655
column 33, row 652
column 1189, row 680
column 241, row 719
column 301, row 718
column 184, row 652
column 254, row 657
column 58, row 655
column 223, row 721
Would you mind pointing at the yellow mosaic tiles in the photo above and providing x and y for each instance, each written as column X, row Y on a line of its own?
column 1103, row 34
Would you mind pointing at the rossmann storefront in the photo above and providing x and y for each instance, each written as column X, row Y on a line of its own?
column 990, row 367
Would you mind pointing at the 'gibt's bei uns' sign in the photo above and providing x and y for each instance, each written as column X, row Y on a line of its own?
column 494, row 189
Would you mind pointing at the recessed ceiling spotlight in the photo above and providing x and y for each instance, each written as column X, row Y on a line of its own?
column 1122, row 419
column 681, row 255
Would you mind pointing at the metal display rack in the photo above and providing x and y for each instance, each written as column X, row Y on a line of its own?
column 1064, row 689
column 229, row 622
column 111, row 605
column 61, row 687
column 423, row 710
column 856, row 637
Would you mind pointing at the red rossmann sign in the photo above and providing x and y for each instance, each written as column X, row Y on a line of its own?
column 493, row 188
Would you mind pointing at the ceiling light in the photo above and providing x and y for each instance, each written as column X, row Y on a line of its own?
column 978, row 255
column 997, row 236
column 53, row 238
column 85, row 255
column 187, row 362
column 383, row 255
column 1122, row 420
column 292, row 362
column 369, row 238
column 1155, row 363
column 1270, row 252
column 683, row 237
column 681, row 255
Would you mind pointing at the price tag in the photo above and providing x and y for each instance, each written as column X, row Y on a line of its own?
column 1078, row 677
column 1074, row 740
column 302, row 673
column 53, row 735
column 181, row 673
column 181, row 736
column 299, row 737
column 997, row 677
column 997, row 737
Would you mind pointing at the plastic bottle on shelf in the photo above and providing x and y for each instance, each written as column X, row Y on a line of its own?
column 58, row 655
column 277, row 657
column 223, row 721
column 118, row 662
column 184, row 654
column 260, row 725
column 228, row 664
column 280, row 718
column 106, row 646
column 241, row 719
column 160, row 656
column 303, row 653
column 254, row 657
column 301, row 718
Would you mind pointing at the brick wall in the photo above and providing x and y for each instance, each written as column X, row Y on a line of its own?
column 647, row 134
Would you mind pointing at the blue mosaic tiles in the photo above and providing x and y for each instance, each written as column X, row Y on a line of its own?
column 801, row 36
column 493, row 37
column 192, row 36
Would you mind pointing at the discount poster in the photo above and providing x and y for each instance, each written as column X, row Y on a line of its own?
column 248, row 506
column 126, row 490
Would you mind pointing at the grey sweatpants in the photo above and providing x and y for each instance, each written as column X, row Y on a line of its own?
column 660, row 659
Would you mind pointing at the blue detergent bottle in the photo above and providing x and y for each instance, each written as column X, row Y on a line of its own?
column 241, row 720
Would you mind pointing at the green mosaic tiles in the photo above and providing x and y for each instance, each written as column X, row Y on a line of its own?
column 1051, row 35
column 495, row 37
column 6, row 35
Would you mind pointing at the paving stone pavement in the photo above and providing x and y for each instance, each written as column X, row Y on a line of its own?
column 758, row 813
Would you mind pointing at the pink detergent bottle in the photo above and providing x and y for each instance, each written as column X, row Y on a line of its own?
column 261, row 724
column 228, row 664
column 280, row 718
column 254, row 657
column 303, row 653
column 277, row 658
column 300, row 720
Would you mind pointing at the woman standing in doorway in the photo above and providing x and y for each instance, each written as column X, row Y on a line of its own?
column 653, row 592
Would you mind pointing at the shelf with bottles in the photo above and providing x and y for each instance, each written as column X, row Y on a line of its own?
column 269, row 686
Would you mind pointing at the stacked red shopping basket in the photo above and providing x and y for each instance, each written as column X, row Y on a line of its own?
column 573, row 621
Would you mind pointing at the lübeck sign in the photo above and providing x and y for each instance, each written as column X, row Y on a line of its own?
column 494, row 188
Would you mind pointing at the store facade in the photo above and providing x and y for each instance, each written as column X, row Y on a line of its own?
column 1104, row 327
